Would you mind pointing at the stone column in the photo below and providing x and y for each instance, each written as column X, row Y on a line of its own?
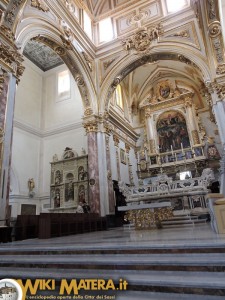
column 191, row 121
column 217, row 92
column 7, row 100
column 131, row 177
column 93, row 168
column 109, row 178
column 116, row 143
column 150, row 131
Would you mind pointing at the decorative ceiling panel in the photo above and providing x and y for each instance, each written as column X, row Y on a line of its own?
column 41, row 55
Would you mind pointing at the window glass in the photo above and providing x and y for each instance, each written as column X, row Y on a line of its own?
column 119, row 99
column 64, row 84
column 175, row 5
column 105, row 30
column 87, row 25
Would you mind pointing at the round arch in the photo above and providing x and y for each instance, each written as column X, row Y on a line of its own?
column 188, row 56
column 48, row 34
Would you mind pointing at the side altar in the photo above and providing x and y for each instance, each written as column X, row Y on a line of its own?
column 69, row 182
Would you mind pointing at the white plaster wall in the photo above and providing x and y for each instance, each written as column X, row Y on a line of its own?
column 25, row 159
column 28, row 101
column 43, row 126
column 56, row 112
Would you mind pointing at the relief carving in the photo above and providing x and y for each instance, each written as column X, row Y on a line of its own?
column 107, row 63
column 220, row 69
column 39, row 4
column 183, row 33
column 89, row 61
column 141, row 40
column 91, row 126
column 214, row 29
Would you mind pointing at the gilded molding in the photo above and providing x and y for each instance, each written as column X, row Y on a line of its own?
column 88, row 112
column 39, row 4
column 141, row 40
column 7, row 33
column 152, row 147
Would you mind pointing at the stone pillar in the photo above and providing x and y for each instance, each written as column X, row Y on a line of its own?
column 191, row 121
column 116, row 143
column 217, row 92
column 93, row 167
column 7, row 100
column 131, row 177
column 109, row 178
column 150, row 131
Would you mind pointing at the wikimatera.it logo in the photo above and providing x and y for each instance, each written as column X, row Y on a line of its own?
column 65, row 290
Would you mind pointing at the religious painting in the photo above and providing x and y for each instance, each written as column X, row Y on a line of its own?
column 164, row 90
column 172, row 132
column 212, row 152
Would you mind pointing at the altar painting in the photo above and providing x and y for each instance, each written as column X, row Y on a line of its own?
column 172, row 132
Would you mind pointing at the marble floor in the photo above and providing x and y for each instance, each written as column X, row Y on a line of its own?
column 199, row 235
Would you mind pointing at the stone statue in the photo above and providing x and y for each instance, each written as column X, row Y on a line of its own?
column 55, row 158
column 83, row 151
column 31, row 184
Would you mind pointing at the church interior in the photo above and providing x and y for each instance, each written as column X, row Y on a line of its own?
column 112, row 144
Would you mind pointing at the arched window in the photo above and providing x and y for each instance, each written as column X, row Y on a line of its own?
column 119, row 98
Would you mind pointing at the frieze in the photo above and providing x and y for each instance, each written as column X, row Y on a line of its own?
column 141, row 40
column 39, row 4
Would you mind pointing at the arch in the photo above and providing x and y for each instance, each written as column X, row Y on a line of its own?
column 48, row 34
column 188, row 56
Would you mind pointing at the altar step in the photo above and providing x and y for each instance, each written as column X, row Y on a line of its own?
column 184, row 220
column 159, row 273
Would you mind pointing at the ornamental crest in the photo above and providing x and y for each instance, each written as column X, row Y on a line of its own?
column 164, row 90
column 142, row 39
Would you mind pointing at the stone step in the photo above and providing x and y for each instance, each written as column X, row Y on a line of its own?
column 202, row 283
column 173, row 262
column 20, row 248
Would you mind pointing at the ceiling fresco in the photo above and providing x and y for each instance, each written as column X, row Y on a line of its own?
column 41, row 55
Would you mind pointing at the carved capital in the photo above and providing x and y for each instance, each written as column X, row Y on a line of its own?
column 116, row 140
column 11, row 60
column 91, row 126
column 188, row 102
column 127, row 147
column 220, row 90
column 88, row 112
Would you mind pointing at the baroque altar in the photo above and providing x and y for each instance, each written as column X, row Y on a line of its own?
column 69, row 182
column 174, row 135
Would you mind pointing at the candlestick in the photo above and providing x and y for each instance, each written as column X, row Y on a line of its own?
column 172, row 149
column 182, row 149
